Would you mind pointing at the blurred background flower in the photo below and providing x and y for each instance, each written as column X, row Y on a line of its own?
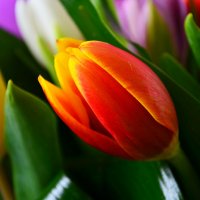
column 7, row 17
column 153, row 24
column 40, row 24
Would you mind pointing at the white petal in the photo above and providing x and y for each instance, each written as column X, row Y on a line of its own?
column 28, row 28
column 50, row 14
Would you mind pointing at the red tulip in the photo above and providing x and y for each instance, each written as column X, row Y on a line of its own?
column 112, row 101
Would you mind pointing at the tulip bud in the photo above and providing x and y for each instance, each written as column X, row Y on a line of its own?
column 112, row 101
column 155, row 25
column 41, row 23
column 2, row 95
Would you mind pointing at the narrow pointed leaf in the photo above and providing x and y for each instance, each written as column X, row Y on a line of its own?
column 32, row 144
column 31, row 140
column 193, row 36
column 179, row 73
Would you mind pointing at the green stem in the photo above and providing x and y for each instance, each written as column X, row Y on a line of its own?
column 185, row 172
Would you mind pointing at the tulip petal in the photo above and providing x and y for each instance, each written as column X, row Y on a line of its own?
column 137, row 78
column 62, row 72
column 67, row 84
column 62, row 107
column 73, row 104
column 121, row 114
column 63, row 43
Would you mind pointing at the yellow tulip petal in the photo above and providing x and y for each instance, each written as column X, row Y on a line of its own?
column 70, row 102
column 63, row 43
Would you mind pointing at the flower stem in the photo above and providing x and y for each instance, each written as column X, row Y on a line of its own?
column 185, row 172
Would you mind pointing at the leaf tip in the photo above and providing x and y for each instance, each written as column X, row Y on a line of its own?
column 9, row 88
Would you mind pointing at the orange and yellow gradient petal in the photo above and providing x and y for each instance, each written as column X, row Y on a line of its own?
column 59, row 101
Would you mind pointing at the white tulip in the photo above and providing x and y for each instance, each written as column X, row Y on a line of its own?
column 44, row 21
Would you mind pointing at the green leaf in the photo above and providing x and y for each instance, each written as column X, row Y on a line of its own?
column 90, row 23
column 62, row 188
column 192, row 66
column 158, row 34
column 31, row 141
column 193, row 36
column 18, row 64
column 112, row 8
column 140, row 180
column 176, row 71
column 32, row 144
column 185, row 91
column 141, row 51
column 113, row 178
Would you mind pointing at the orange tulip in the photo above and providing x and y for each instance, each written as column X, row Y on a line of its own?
column 112, row 101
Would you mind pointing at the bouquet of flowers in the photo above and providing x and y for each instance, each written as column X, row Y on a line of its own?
column 99, row 99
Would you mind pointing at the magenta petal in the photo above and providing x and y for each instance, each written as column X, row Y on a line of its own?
column 133, row 18
column 7, row 17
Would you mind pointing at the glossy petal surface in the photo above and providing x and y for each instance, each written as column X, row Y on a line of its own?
column 135, row 77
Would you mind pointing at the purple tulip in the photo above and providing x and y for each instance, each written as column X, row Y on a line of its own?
column 134, row 19
column 7, row 17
